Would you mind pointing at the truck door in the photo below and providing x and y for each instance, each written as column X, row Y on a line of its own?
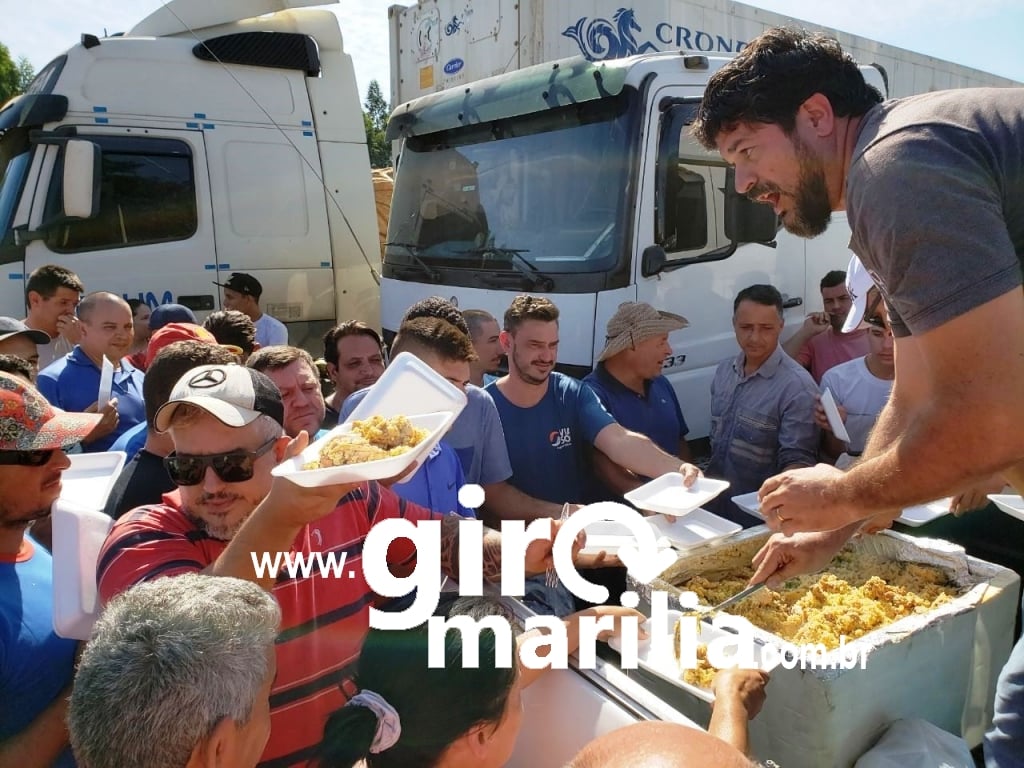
column 682, row 211
column 152, row 238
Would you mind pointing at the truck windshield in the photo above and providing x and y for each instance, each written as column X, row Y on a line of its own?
column 549, row 188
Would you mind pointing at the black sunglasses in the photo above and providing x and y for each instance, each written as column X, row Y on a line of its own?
column 26, row 458
column 235, row 467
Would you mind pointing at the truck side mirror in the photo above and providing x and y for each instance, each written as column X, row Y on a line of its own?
column 652, row 261
column 745, row 220
column 81, row 181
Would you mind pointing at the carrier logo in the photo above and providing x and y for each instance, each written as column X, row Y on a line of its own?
column 600, row 39
column 453, row 66
column 560, row 438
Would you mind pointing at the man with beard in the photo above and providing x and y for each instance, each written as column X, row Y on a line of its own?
column 762, row 405
column 73, row 381
column 550, row 419
column 933, row 187
column 36, row 666
column 820, row 343
column 227, row 425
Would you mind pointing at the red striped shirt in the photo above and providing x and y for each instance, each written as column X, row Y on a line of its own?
column 324, row 620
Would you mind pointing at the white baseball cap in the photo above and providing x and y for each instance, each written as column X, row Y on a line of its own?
column 233, row 394
column 858, row 283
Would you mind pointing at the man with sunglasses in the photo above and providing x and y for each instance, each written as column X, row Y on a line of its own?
column 227, row 424
column 36, row 666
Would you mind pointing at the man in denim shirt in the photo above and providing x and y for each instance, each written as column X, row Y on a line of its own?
column 762, row 404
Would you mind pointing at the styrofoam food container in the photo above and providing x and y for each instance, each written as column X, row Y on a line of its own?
column 748, row 503
column 609, row 536
column 920, row 514
column 912, row 516
column 78, row 536
column 87, row 482
column 835, row 421
column 435, row 423
column 667, row 495
column 697, row 528
column 663, row 662
column 409, row 387
column 1010, row 503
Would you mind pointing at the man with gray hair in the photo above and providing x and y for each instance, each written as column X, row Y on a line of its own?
column 178, row 672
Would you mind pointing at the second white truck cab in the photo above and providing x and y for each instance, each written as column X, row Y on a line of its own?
column 580, row 181
column 225, row 142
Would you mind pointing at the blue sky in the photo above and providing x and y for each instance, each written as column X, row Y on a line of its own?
column 984, row 34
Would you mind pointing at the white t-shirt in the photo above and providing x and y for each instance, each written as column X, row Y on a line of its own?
column 56, row 349
column 270, row 331
column 861, row 393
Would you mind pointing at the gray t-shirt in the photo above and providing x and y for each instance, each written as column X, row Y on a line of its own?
column 476, row 435
column 935, row 199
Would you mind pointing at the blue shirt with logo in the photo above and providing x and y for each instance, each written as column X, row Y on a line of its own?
column 547, row 442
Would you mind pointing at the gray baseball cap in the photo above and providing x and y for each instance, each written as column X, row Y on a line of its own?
column 11, row 327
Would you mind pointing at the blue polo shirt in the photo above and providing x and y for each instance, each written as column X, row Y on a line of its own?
column 655, row 413
column 73, row 382
column 547, row 442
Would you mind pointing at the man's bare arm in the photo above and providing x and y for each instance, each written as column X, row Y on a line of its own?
column 638, row 453
column 951, row 421
column 618, row 479
column 506, row 502
column 962, row 425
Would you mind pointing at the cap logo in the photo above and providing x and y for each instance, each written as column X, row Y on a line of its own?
column 208, row 379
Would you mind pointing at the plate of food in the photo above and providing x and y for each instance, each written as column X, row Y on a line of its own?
column 668, row 495
column 366, row 449
column 663, row 659
column 1011, row 503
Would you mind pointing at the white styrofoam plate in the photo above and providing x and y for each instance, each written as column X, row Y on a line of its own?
column 435, row 423
column 912, row 516
column 409, row 387
column 748, row 503
column 667, row 495
column 78, row 536
column 1010, row 503
column 609, row 536
column 87, row 482
column 835, row 421
column 920, row 514
column 663, row 663
column 697, row 528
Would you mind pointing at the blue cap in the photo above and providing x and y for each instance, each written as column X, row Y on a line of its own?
column 171, row 313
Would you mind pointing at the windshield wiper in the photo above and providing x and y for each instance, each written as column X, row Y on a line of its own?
column 412, row 249
column 534, row 276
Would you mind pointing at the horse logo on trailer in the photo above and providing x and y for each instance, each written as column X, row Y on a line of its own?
column 600, row 39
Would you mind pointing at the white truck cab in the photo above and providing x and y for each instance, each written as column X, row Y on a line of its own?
column 210, row 141
column 579, row 180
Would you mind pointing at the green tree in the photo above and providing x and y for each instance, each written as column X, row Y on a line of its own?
column 375, row 120
column 25, row 73
column 9, row 80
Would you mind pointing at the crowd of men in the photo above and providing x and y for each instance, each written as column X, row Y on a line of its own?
column 207, row 410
